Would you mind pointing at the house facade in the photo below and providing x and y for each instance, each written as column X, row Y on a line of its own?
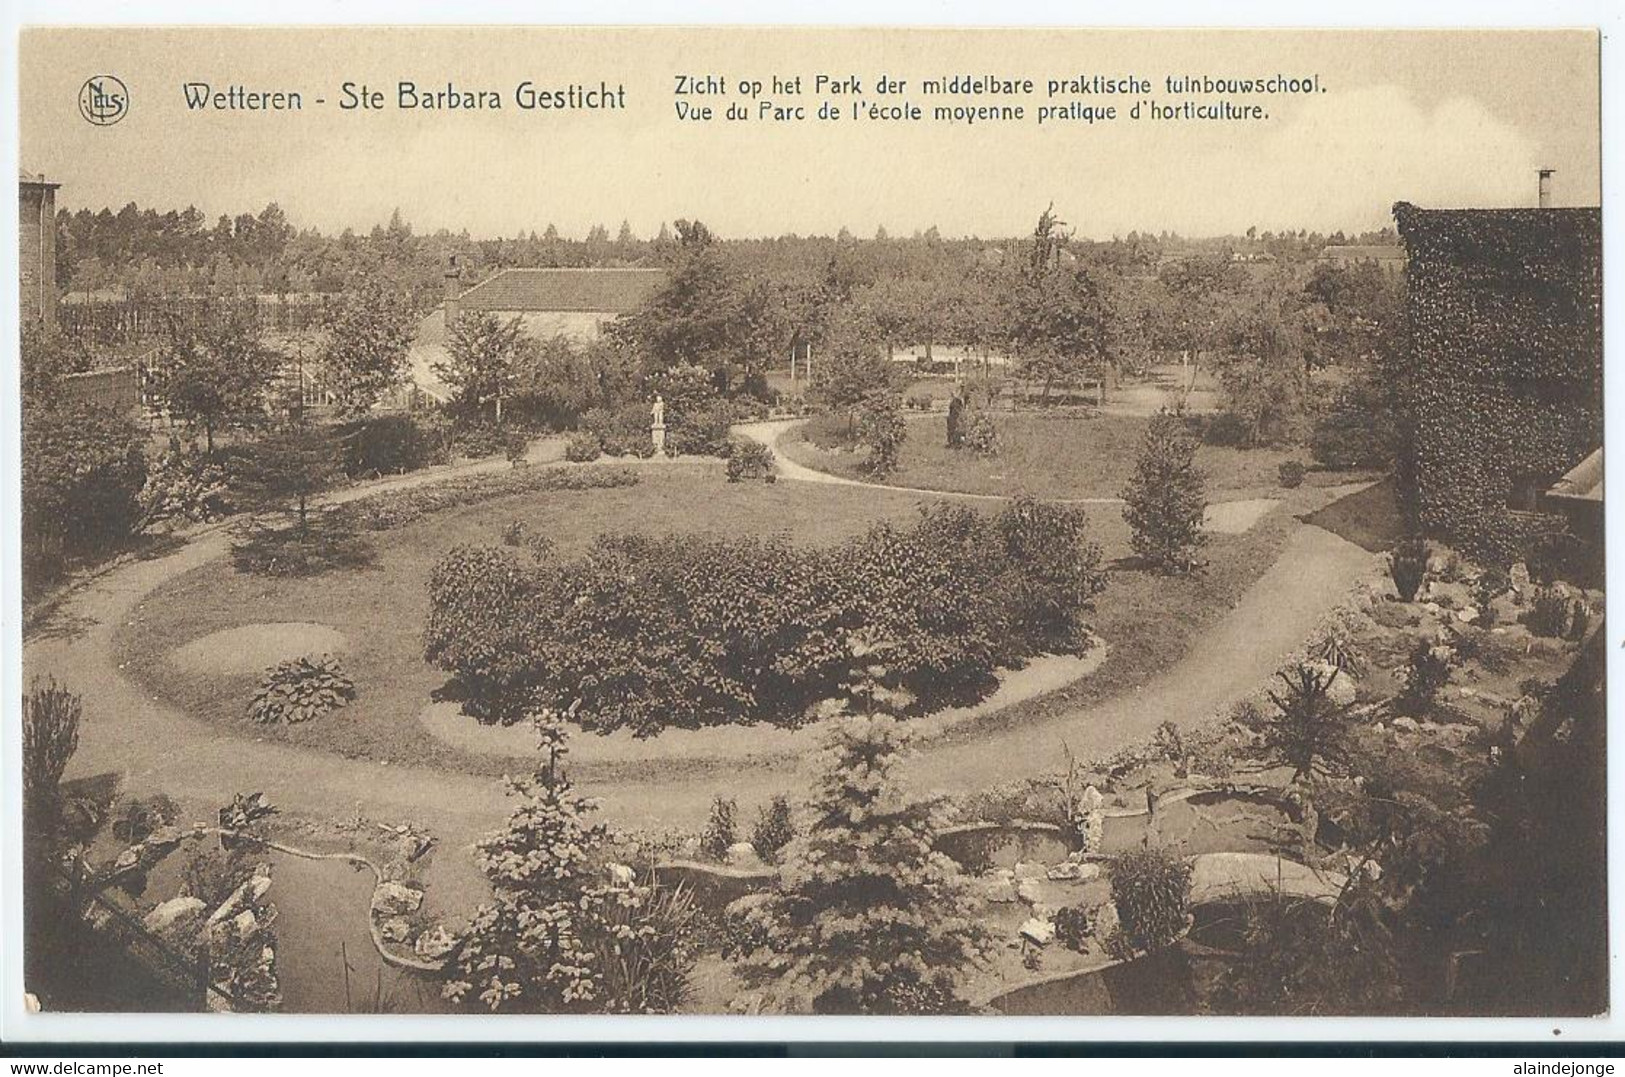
column 36, row 239
column 1504, row 393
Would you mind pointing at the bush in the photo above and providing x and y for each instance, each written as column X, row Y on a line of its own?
column 1425, row 676
column 1356, row 431
column 301, row 689
column 325, row 544
column 868, row 917
column 749, row 459
column 388, row 445
column 1166, row 498
column 477, row 440
column 622, row 431
column 1291, row 473
column 719, row 833
column 1151, row 889
column 184, row 484
column 1073, row 926
column 386, row 511
column 979, row 434
column 51, row 716
column 83, row 469
column 1310, row 730
column 1408, row 565
column 515, row 445
column 1549, row 614
column 919, row 401
column 646, row 632
column 583, row 448
column 882, row 430
column 700, row 432
column 773, row 830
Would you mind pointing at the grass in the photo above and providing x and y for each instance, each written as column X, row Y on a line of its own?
column 1149, row 621
column 1070, row 455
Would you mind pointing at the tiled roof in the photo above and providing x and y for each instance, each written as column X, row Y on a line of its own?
column 610, row 291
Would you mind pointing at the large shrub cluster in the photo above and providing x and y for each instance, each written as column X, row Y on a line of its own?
column 83, row 469
column 649, row 632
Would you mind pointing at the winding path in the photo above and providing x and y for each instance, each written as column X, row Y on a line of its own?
column 153, row 747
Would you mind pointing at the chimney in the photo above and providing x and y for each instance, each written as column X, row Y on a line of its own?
column 1546, row 188
column 454, row 292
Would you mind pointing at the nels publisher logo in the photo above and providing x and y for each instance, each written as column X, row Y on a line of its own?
column 103, row 100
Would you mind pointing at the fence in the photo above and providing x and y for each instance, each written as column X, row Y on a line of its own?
column 125, row 322
column 114, row 387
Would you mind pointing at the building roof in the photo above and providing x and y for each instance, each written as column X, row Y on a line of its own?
column 1363, row 253
column 608, row 291
column 1583, row 482
column 26, row 178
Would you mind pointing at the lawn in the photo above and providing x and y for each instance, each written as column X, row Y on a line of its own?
column 1062, row 455
column 1148, row 621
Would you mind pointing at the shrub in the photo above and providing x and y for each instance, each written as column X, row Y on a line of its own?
column 1427, row 674
column 1151, row 889
column 477, row 440
column 1310, row 730
column 1356, row 431
column 1074, row 924
column 749, row 459
column 388, row 445
column 919, row 401
column 324, row 544
column 515, row 444
column 1299, row 959
column 83, row 469
column 184, row 484
column 386, row 511
column 1408, row 565
column 621, row 431
column 645, row 632
column 868, row 917
column 553, row 939
column 583, row 448
column 980, row 435
column 773, row 830
column 882, row 430
column 51, row 716
column 301, row 689
column 1548, row 614
column 719, row 833
column 1291, row 473
column 702, row 431
column 1166, row 498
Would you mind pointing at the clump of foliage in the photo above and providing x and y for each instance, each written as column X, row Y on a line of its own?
column 721, row 830
column 868, row 917
column 1291, row 473
column 980, row 435
column 1425, row 676
column 1554, row 615
column 215, row 372
column 387, row 511
column 749, row 459
column 301, row 689
column 1310, row 730
column 1074, row 925
column 649, row 632
column 1298, row 960
column 881, row 429
column 83, row 470
column 1408, row 565
column 773, row 830
column 278, row 478
column 1356, row 431
column 184, row 484
column 370, row 329
column 51, row 716
column 622, row 430
column 389, row 445
column 1166, row 498
column 583, row 447
column 554, row 938
column 1151, row 889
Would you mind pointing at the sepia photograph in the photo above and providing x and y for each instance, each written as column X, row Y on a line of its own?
column 751, row 522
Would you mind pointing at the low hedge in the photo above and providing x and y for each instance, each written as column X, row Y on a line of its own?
column 384, row 511
column 646, row 633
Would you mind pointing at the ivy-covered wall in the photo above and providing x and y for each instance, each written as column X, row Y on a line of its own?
column 1503, row 385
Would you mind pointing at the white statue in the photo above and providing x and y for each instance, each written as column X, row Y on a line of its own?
column 659, row 411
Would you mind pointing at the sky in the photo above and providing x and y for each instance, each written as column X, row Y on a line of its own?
column 1436, row 118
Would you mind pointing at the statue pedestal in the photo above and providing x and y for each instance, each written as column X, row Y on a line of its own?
column 657, row 434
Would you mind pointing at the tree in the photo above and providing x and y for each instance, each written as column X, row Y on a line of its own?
column 556, row 937
column 1166, row 498
column 215, row 372
column 83, row 468
column 1263, row 357
column 868, row 917
column 369, row 333
column 484, row 357
column 1310, row 731
column 284, row 471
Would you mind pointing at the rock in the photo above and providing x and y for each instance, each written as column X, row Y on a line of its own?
column 1074, row 871
column 1091, row 799
column 1467, row 616
column 165, row 837
column 1519, row 575
column 395, row 929
column 1028, row 869
column 246, row 894
column 172, row 912
column 1106, row 920
column 1038, row 932
column 742, row 854
column 435, row 943
column 1433, row 608
column 1407, row 724
column 1031, row 891
column 395, row 899
column 620, row 875
column 741, row 907
column 999, row 889
column 128, row 860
